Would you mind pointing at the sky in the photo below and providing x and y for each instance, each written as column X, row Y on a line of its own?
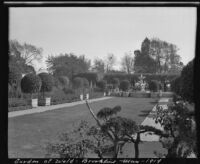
column 97, row 31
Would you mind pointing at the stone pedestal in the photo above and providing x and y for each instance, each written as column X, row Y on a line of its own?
column 34, row 103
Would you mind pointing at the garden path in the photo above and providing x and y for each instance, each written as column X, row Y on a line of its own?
column 52, row 107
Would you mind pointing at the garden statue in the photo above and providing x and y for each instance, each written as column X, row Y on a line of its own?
column 142, row 83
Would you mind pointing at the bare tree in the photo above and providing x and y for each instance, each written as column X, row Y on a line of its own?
column 99, row 65
column 26, row 51
column 110, row 62
column 127, row 63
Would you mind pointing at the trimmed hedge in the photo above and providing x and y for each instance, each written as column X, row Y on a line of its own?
column 90, row 76
column 153, row 85
column 102, row 84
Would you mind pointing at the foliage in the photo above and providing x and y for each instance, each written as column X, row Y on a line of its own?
column 47, row 82
column 67, row 65
column 14, row 75
column 179, row 136
column 80, row 83
column 124, row 85
column 128, row 63
column 99, row 66
column 153, row 86
column 64, row 81
column 31, row 83
column 187, row 86
column 68, row 90
column 110, row 62
column 15, row 102
column 102, row 84
column 90, row 76
column 115, row 82
column 176, row 85
column 27, row 52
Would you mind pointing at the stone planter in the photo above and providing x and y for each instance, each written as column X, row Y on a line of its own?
column 87, row 96
column 81, row 97
column 47, row 101
column 34, row 103
column 104, row 94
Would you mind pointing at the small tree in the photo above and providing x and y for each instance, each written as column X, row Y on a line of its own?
column 31, row 83
column 124, row 85
column 47, row 82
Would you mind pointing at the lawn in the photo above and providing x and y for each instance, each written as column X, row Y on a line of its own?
column 28, row 135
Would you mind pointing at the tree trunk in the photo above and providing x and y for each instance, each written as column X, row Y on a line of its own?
column 136, row 145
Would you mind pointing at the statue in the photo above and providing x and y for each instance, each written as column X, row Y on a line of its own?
column 142, row 83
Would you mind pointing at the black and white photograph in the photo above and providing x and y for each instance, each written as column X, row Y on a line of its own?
column 101, row 82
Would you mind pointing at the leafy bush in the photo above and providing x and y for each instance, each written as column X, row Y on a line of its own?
column 64, row 81
column 14, row 91
column 124, row 85
column 176, row 85
column 14, row 75
column 68, row 90
column 101, row 84
column 47, row 82
column 31, row 83
column 153, row 86
column 80, row 83
column 15, row 102
column 187, row 88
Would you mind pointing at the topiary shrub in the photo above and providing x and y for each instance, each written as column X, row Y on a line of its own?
column 124, row 85
column 47, row 82
column 102, row 84
column 187, row 88
column 115, row 83
column 153, row 86
column 31, row 83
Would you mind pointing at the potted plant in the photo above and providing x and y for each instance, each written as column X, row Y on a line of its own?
column 47, row 85
column 31, row 83
column 124, row 86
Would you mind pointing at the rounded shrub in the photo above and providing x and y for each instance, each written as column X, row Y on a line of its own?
column 102, row 84
column 31, row 83
column 85, row 83
column 64, row 81
column 124, row 85
column 47, row 82
column 153, row 85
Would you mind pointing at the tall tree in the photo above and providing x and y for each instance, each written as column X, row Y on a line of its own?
column 67, row 65
column 127, row 63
